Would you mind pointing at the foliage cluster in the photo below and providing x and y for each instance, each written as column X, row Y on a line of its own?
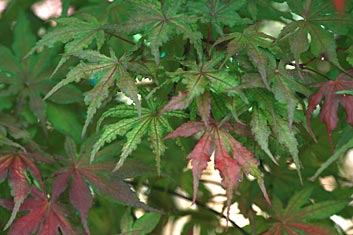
column 105, row 107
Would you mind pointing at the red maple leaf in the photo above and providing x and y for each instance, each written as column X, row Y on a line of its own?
column 15, row 167
column 215, row 138
column 85, row 174
column 328, row 112
column 45, row 216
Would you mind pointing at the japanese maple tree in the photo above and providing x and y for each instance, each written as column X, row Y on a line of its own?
column 114, row 110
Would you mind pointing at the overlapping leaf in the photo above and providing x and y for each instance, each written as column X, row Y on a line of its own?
column 254, row 44
column 16, row 168
column 200, row 78
column 285, row 88
column 294, row 218
column 85, row 175
column 77, row 33
column 107, row 71
column 45, row 217
column 219, row 13
column 265, row 118
column 328, row 113
column 25, row 80
column 161, row 22
column 216, row 139
column 314, row 14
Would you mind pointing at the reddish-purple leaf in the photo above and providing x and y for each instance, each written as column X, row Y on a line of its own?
column 15, row 167
column 328, row 113
column 81, row 198
column 83, row 175
column 45, row 217
column 310, row 228
column 216, row 139
column 60, row 183
column 200, row 156
column 187, row 129
column 177, row 102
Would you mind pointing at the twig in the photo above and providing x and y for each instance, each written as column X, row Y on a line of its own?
column 198, row 203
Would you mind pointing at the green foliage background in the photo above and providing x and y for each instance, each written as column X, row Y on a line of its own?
column 63, row 101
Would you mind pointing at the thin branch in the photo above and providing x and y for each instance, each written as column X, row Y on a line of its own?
column 302, row 66
column 198, row 203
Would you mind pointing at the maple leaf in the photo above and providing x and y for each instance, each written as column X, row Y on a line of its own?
column 134, row 128
column 160, row 22
column 200, row 78
column 85, row 175
column 107, row 71
column 253, row 43
column 25, row 80
column 294, row 218
column 45, row 217
column 314, row 14
column 214, row 139
column 219, row 13
column 16, row 167
column 76, row 33
column 328, row 113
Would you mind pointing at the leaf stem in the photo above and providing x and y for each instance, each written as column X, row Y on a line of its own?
column 208, row 37
column 121, row 38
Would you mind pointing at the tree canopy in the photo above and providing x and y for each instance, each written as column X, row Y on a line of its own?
column 114, row 111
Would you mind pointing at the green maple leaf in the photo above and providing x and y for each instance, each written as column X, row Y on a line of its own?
column 25, row 80
column 219, row 13
column 161, row 22
column 295, row 219
column 284, row 86
column 201, row 77
column 315, row 18
column 151, row 123
column 253, row 43
column 77, row 33
column 106, row 72
column 267, row 118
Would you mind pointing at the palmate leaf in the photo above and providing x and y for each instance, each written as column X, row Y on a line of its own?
column 107, row 71
column 77, row 33
column 328, row 114
column 314, row 14
column 151, row 123
column 161, row 22
column 16, row 167
column 85, row 175
column 198, row 79
column 45, row 217
column 254, row 44
column 219, row 13
column 25, row 80
column 216, row 139
column 294, row 218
